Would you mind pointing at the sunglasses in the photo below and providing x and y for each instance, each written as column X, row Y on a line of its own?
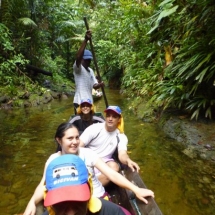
column 85, row 105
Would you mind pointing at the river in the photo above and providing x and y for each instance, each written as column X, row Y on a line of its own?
column 180, row 186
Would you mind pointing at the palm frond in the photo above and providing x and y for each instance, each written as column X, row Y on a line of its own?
column 27, row 22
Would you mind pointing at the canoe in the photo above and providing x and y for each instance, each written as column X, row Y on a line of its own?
column 96, row 95
column 96, row 98
column 126, row 198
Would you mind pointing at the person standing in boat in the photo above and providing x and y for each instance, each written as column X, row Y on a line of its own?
column 85, row 79
column 67, row 136
column 85, row 116
column 106, row 138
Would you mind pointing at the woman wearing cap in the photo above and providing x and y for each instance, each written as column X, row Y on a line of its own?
column 67, row 136
column 85, row 116
column 69, row 191
column 85, row 79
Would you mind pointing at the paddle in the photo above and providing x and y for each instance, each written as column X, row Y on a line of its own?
column 95, row 62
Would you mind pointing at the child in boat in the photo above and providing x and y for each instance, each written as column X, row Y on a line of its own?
column 67, row 136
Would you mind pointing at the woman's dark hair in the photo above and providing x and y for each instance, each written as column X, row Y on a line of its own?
column 61, row 132
column 90, row 121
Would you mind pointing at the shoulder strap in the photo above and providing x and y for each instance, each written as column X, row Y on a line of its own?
column 95, row 137
column 115, row 154
column 117, row 137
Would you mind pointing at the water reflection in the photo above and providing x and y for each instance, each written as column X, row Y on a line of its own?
column 182, row 186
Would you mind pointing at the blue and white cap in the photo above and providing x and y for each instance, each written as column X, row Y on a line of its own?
column 87, row 55
column 86, row 101
column 116, row 109
column 66, row 180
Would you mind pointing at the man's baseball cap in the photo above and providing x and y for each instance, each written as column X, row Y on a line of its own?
column 86, row 101
column 87, row 55
column 66, row 180
column 116, row 109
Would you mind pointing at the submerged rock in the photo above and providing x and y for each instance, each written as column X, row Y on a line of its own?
column 195, row 138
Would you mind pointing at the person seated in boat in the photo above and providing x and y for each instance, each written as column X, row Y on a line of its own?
column 68, row 189
column 85, row 116
column 67, row 136
column 105, row 138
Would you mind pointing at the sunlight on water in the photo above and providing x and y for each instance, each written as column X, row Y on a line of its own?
column 27, row 139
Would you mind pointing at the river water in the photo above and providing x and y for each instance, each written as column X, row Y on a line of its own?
column 182, row 186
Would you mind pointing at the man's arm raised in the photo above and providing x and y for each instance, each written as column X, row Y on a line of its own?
column 81, row 49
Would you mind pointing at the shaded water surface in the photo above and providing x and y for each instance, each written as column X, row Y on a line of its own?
column 182, row 186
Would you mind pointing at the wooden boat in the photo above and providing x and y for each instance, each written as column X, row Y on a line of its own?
column 96, row 95
column 96, row 98
column 128, row 200
column 124, row 197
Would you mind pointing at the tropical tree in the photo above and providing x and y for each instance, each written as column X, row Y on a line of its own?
column 161, row 51
column 186, row 33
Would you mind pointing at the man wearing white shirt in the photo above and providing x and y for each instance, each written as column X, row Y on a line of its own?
column 85, row 79
column 105, row 138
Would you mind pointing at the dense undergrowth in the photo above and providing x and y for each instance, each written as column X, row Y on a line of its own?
column 162, row 52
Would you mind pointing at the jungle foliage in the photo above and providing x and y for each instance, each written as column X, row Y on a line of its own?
column 160, row 51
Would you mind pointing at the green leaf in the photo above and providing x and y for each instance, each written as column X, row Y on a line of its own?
column 167, row 12
column 200, row 77
column 27, row 21
column 195, row 114
column 208, row 113
column 165, row 2
column 156, row 25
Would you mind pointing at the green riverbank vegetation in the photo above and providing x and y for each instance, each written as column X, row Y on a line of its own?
column 162, row 52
